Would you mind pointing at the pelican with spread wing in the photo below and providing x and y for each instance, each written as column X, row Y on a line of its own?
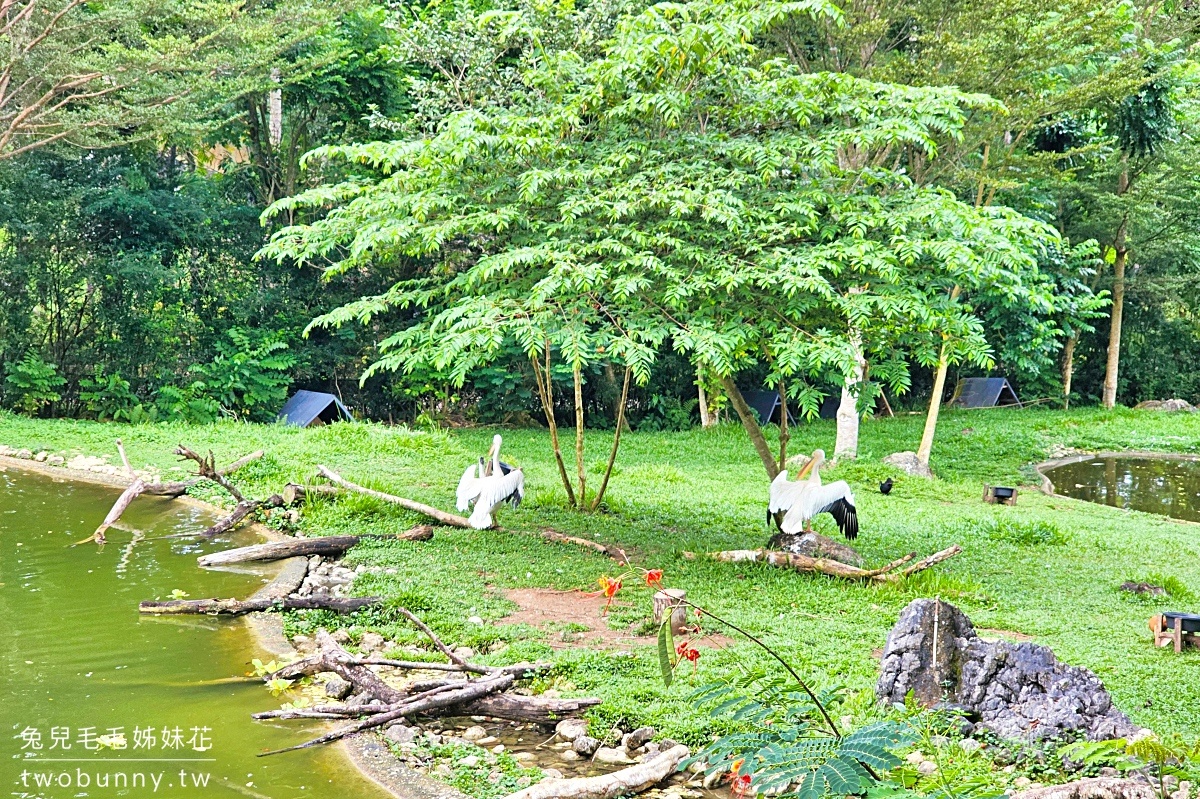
column 801, row 500
column 489, row 484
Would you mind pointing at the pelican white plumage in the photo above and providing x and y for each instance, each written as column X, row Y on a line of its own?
column 488, row 484
column 806, row 497
column 835, row 499
column 784, row 492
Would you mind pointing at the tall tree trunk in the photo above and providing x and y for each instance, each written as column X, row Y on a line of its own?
column 1118, row 297
column 706, row 419
column 1068, row 368
column 612, row 456
column 846, row 444
column 577, row 375
column 935, row 401
column 275, row 111
column 784, row 435
column 750, row 423
column 541, row 376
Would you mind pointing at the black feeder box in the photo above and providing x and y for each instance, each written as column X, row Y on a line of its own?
column 999, row 495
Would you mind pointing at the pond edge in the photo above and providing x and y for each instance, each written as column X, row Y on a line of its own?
column 365, row 752
column 1047, row 486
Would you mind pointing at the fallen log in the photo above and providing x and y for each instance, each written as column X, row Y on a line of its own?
column 421, row 703
column 616, row 553
column 294, row 493
column 1096, row 788
column 832, row 568
column 449, row 519
column 631, row 780
column 531, row 709
column 328, row 546
column 239, row 607
column 135, row 489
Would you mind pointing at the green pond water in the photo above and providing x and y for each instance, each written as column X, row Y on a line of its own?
column 77, row 660
column 1154, row 485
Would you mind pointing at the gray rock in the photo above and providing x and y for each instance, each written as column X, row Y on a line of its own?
column 475, row 733
column 401, row 734
column 470, row 761
column 815, row 545
column 908, row 463
column 56, row 460
column 371, row 642
column 41, row 456
column 615, row 757
column 338, row 688
column 970, row 745
column 570, row 729
column 637, row 739
column 570, row 755
column 1165, row 405
column 1017, row 691
column 585, row 745
column 340, row 635
column 23, row 454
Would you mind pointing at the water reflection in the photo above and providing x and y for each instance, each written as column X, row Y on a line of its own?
column 1155, row 485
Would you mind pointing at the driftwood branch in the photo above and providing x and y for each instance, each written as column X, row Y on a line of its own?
column 449, row 519
column 331, row 545
column 239, row 607
column 832, row 568
column 631, row 780
column 441, row 697
column 294, row 493
column 179, row 488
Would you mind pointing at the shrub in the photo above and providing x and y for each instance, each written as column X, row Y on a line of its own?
column 33, row 384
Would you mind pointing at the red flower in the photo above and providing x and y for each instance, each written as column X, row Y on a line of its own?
column 741, row 785
column 682, row 649
column 654, row 577
column 692, row 654
column 609, row 587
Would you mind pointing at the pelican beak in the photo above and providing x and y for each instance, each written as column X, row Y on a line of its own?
column 808, row 467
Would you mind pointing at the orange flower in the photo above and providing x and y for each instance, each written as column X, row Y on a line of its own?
column 609, row 587
column 654, row 577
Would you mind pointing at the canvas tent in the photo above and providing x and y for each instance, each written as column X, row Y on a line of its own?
column 308, row 408
column 984, row 392
column 766, row 404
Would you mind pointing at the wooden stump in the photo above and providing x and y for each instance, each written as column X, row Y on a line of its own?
column 670, row 600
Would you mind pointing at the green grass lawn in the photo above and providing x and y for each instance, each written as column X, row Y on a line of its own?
column 706, row 490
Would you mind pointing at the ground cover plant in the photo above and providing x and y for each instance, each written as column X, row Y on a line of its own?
column 1048, row 568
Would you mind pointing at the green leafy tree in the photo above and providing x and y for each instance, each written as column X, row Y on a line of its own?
column 680, row 188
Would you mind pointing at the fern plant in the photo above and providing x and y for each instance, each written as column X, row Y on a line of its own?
column 1162, row 757
column 33, row 383
column 785, row 748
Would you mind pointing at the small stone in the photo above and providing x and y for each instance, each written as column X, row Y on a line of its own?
column 585, row 745
column 915, row 757
column 523, row 757
column 23, row 454
column 465, row 652
column 1110, row 772
column 570, row 755
column 338, row 688
column 970, row 745
column 698, row 768
column 474, row 733
column 552, row 773
column 498, row 748
column 940, row 741
column 340, row 636
column 616, row 757
column 711, row 780
column 1022, row 782
column 56, row 460
column 371, row 642
column 927, row 767
column 470, row 761
column 401, row 734
column 570, row 729
column 41, row 457
column 442, row 770
column 487, row 740
column 637, row 739
column 475, row 620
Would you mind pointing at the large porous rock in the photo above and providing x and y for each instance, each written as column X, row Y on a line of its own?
column 909, row 463
column 815, row 545
column 1166, row 405
column 1014, row 690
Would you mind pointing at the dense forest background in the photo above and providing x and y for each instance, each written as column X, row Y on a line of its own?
column 129, row 231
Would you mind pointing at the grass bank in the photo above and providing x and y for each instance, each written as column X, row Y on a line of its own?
column 1049, row 568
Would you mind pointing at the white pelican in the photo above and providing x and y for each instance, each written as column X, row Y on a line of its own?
column 489, row 484
column 804, row 499
column 784, row 493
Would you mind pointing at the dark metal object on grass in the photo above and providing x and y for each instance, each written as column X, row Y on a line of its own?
column 308, row 408
column 984, row 392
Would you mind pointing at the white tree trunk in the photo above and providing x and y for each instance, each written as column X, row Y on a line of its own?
column 846, row 445
column 275, row 111
column 706, row 419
